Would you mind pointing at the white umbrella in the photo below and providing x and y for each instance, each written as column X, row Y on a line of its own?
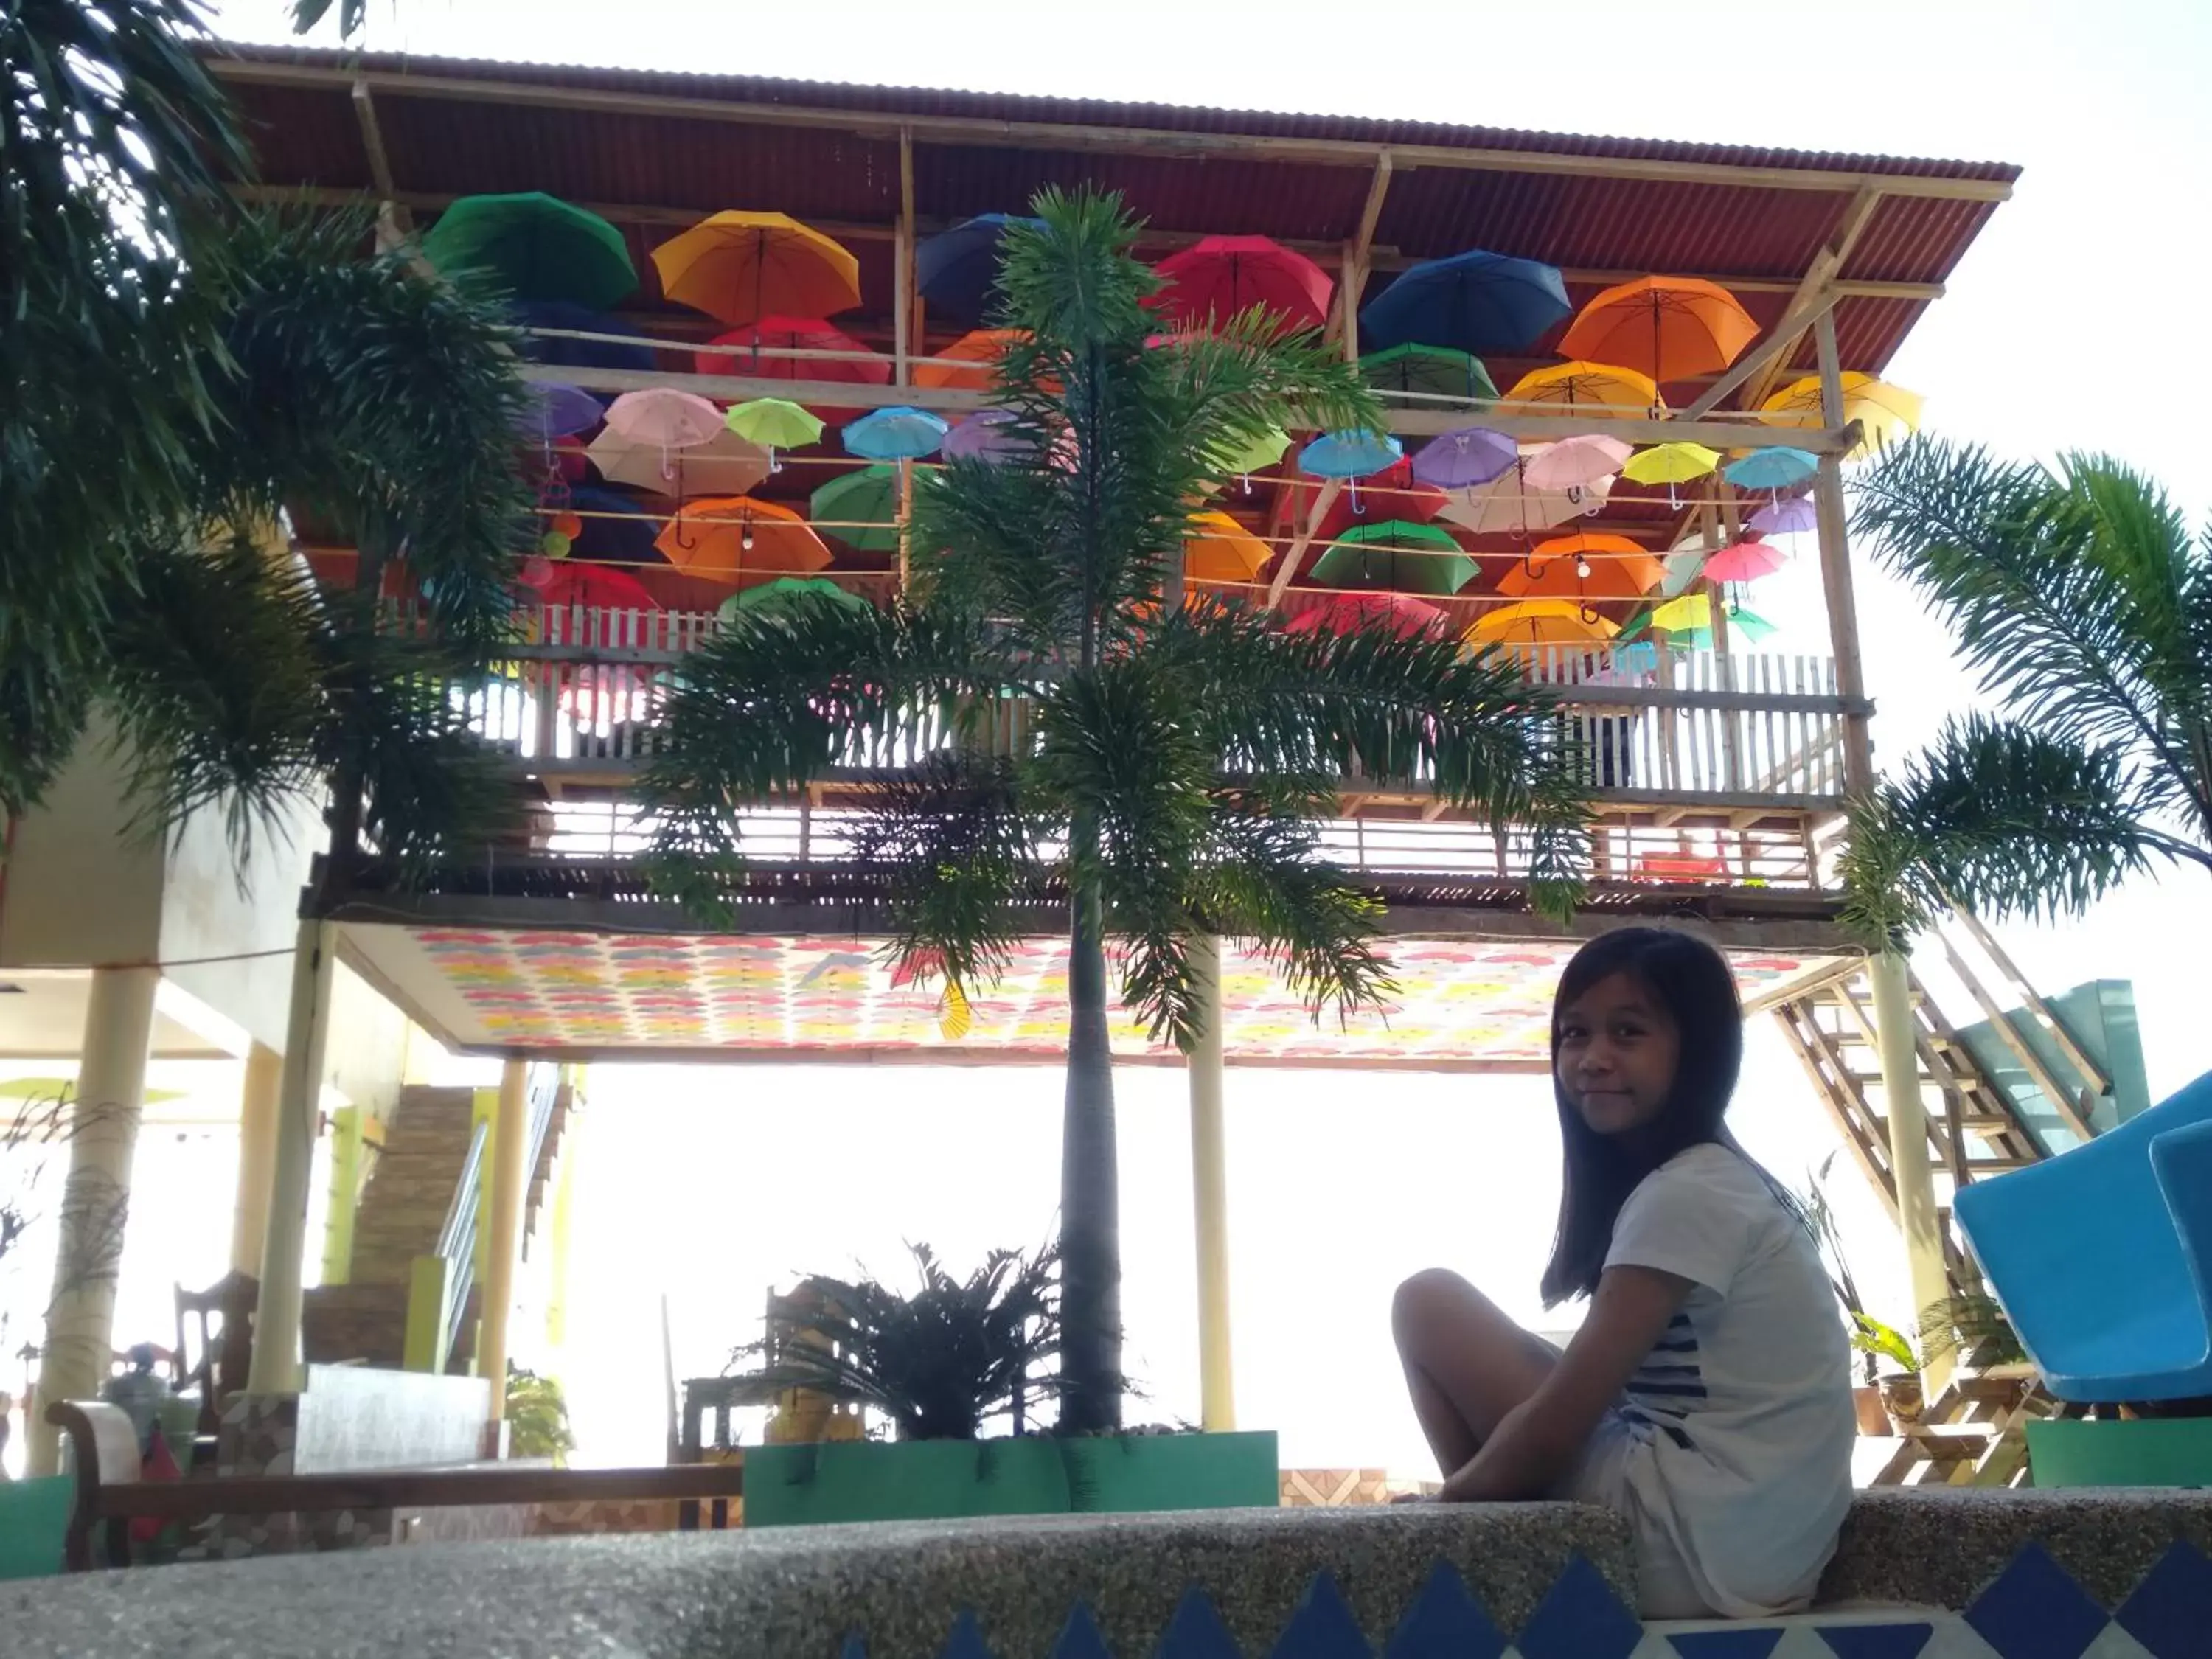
column 726, row 464
column 1509, row 505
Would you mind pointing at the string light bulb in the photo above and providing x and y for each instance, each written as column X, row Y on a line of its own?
column 1582, row 568
column 746, row 537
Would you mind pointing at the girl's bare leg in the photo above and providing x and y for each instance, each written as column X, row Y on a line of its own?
column 1466, row 1365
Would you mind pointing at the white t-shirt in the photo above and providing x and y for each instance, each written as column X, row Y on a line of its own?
column 1739, row 1424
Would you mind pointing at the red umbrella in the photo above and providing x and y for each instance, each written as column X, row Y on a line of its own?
column 1221, row 276
column 1354, row 613
column 768, row 340
column 593, row 586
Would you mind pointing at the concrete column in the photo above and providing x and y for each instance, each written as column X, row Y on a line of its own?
column 1209, row 1176
column 1910, row 1162
column 103, row 1135
column 299, row 1120
column 510, row 1181
column 257, row 1156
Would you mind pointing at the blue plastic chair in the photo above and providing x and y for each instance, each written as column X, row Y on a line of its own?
column 2102, row 1258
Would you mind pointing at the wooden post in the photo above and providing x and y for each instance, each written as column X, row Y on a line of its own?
column 1731, row 722
column 1836, row 570
column 903, row 277
column 1209, row 1177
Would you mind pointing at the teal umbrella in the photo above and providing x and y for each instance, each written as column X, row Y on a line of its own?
column 1438, row 371
column 1398, row 555
column 859, row 509
column 536, row 246
column 790, row 590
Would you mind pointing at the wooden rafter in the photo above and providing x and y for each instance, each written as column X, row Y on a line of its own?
column 1827, row 265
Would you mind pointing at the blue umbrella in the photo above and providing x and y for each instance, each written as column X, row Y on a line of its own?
column 1353, row 455
column 560, row 411
column 897, row 434
column 955, row 270
column 1474, row 301
column 578, row 354
column 627, row 539
column 1772, row 469
column 1464, row 457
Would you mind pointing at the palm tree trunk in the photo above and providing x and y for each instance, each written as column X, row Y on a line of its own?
column 1089, row 1186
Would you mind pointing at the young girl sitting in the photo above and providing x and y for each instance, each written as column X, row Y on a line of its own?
column 1707, row 1396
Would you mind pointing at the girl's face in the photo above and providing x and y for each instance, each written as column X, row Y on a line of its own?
column 1615, row 1055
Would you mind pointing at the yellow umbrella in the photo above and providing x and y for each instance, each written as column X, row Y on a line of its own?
column 1887, row 414
column 742, row 267
column 1692, row 611
column 1587, row 388
column 1541, row 622
column 1670, row 464
column 1217, row 549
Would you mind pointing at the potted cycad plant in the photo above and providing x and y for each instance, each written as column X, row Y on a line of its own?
column 935, row 1366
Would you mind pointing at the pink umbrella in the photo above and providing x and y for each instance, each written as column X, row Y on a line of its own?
column 985, row 435
column 1219, row 276
column 1355, row 613
column 1509, row 505
column 664, row 419
column 1744, row 562
column 1576, row 463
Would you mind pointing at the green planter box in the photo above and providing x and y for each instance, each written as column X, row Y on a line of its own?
column 2171, row 1452
column 34, row 1515
column 939, row 1479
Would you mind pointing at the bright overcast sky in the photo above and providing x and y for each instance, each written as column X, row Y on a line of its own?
column 2043, row 344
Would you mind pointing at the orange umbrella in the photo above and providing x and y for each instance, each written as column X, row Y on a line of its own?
column 1587, row 388
column 721, row 537
column 1540, row 622
column 1666, row 327
column 742, row 267
column 1217, row 549
column 982, row 345
column 1585, row 567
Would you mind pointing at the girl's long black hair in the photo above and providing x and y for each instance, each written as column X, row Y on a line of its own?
column 1691, row 980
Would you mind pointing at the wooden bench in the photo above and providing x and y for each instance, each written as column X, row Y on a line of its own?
column 110, row 1494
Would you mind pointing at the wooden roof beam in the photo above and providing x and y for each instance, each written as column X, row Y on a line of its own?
column 967, row 130
column 1826, row 265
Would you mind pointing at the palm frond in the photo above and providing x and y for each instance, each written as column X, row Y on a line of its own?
column 1267, row 883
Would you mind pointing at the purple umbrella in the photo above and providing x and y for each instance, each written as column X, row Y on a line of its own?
column 1786, row 518
column 558, row 411
column 988, row 435
column 1464, row 457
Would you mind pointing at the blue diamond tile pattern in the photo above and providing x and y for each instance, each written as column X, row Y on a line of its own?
column 966, row 1641
column 1321, row 1626
column 2035, row 1611
column 1196, row 1632
column 1899, row 1641
column 1726, row 1644
column 1080, row 1637
column 1581, row 1617
column 854, row 1648
column 1445, row 1622
column 2171, row 1611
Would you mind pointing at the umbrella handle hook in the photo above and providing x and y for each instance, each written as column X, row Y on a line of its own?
column 680, row 528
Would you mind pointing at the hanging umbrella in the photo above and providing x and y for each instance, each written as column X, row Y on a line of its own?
column 770, row 342
column 532, row 314
column 1670, row 464
column 1576, row 463
column 1667, row 327
column 534, row 246
column 790, row 593
column 956, row 269
column 1583, row 567
column 1587, row 389
column 859, row 509
column 1351, row 455
column 743, row 267
column 1435, row 371
column 897, row 434
column 556, row 410
column 773, row 423
column 1887, row 414
column 1217, row 549
column 593, row 587
column 1402, row 557
column 988, row 435
column 616, row 528
column 667, row 420
column 1772, row 469
column 1749, row 623
column 1540, row 622
column 1744, row 562
column 1679, row 616
column 1786, row 518
column 1464, row 457
column 1684, row 566
column 1243, row 460
column 981, row 347
column 1219, row 277
column 721, row 539
column 1509, row 505
column 1358, row 613
column 1474, row 301
column 726, row 464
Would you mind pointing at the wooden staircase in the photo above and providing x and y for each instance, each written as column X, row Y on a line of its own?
column 402, row 1210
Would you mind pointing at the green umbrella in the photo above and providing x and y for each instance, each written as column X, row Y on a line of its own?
column 1436, row 370
column 868, row 498
column 537, row 247
column 786, row 589
column 1398, row 555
